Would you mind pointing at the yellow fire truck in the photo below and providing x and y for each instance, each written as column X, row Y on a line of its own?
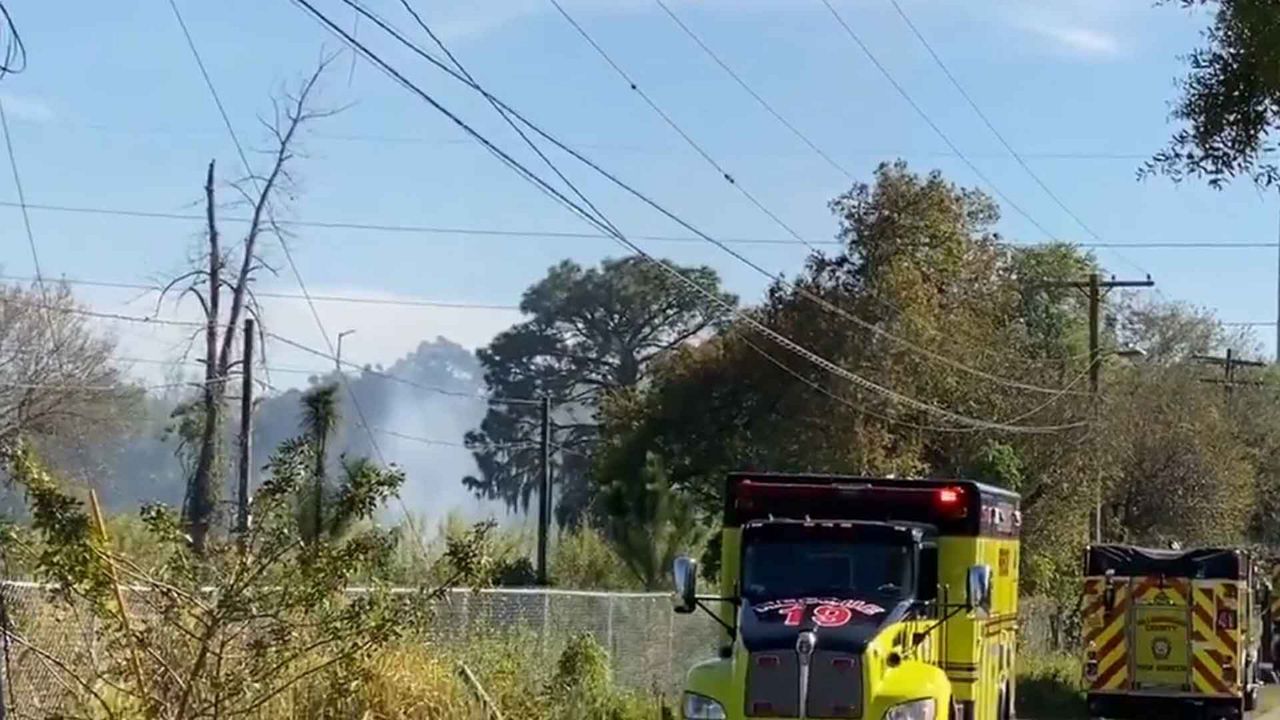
column 1172, row 632
column 869, row 598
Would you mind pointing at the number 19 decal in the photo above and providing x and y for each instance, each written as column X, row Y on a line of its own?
column 828, row 616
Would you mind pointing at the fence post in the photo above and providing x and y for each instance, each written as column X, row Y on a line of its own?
column 608, row 635
column 671, row 646
column 8, row 700
column 546, row 618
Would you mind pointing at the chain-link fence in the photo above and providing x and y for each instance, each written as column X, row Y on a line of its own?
column 1046, row 628
column 650, row 647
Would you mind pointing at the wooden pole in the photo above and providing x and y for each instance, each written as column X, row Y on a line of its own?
column 115, row 585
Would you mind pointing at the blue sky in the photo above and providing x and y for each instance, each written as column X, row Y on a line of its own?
column 112, row 113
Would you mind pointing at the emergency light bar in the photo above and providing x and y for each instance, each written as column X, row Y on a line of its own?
column 946, row 505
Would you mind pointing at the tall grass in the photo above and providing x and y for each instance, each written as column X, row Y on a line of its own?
column 423, row 681
column 1049, row 686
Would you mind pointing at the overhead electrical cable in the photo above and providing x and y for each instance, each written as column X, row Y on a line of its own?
column 569, row 235
column 725, row 306
column 752, row 92
column 353, row 299
column 955, row 82
column 857, row 39
column 776, row 277
column 698, row 148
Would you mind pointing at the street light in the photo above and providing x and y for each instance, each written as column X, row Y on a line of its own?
column 337, row 360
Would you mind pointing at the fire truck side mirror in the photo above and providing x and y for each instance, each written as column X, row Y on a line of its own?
column 977, row 590
column 685, row 579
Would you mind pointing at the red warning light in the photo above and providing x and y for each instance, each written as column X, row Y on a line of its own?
column 948, row 496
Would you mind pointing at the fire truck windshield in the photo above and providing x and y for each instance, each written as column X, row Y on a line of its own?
column 775, row 568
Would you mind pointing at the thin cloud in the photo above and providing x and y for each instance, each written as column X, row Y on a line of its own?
column 1078, row 40
column 28, row 108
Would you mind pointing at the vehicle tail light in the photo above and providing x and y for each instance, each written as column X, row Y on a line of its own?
column 768, row 661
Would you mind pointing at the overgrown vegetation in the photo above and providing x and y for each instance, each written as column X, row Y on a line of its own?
column 1049, row 686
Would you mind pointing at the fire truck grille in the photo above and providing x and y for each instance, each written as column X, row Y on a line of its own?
column 834, row 692
column 835, row 686
column 773, row 684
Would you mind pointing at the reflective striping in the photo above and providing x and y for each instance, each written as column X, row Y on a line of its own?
column 1106, row 634
column 1206, row 680
column 1217, row 650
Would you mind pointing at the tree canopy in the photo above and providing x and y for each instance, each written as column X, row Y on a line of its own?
column 953, row 316
column 1230, row 98
column 590, row 332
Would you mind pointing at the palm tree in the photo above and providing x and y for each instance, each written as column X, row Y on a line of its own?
column 319, row 420
column 650, row 523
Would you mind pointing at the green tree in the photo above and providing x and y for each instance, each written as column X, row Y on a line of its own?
column 649, row 523
column 320, row 418
column 924, row 271
column 590, row 332
column 279, row 617
column 583, row 559
column 1180, row 471
column 922, row 263
column 1230, row 98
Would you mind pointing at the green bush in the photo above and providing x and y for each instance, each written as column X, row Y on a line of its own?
column 1049, row 686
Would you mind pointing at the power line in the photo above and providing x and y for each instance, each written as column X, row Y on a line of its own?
column 377, row 139
column 15, row 51
column 752, row 92
column 677, row 128
column 955, row 82
column 776, row 277
column 857, row 39
column 725, row 306
column 570, row 235
column 354, row 299
column 505, row 117
column 405, row 381
column 987, row 121
column 830, row 307
column 144, row 320
column 22, row 196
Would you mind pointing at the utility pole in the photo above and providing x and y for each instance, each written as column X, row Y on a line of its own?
column 544, row 492
column 337, row 358
column 246, row 431
column 1095, row 288
column 1229, row 363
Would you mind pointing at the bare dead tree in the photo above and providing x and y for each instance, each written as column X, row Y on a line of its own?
column 57, row 376
column 232, row 272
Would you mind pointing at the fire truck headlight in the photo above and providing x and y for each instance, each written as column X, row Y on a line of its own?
column 701, row 707
column 924, row 709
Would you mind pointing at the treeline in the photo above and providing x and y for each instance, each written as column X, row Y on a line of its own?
column 952, row 352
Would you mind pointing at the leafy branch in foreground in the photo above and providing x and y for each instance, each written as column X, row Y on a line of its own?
column 230, row 634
